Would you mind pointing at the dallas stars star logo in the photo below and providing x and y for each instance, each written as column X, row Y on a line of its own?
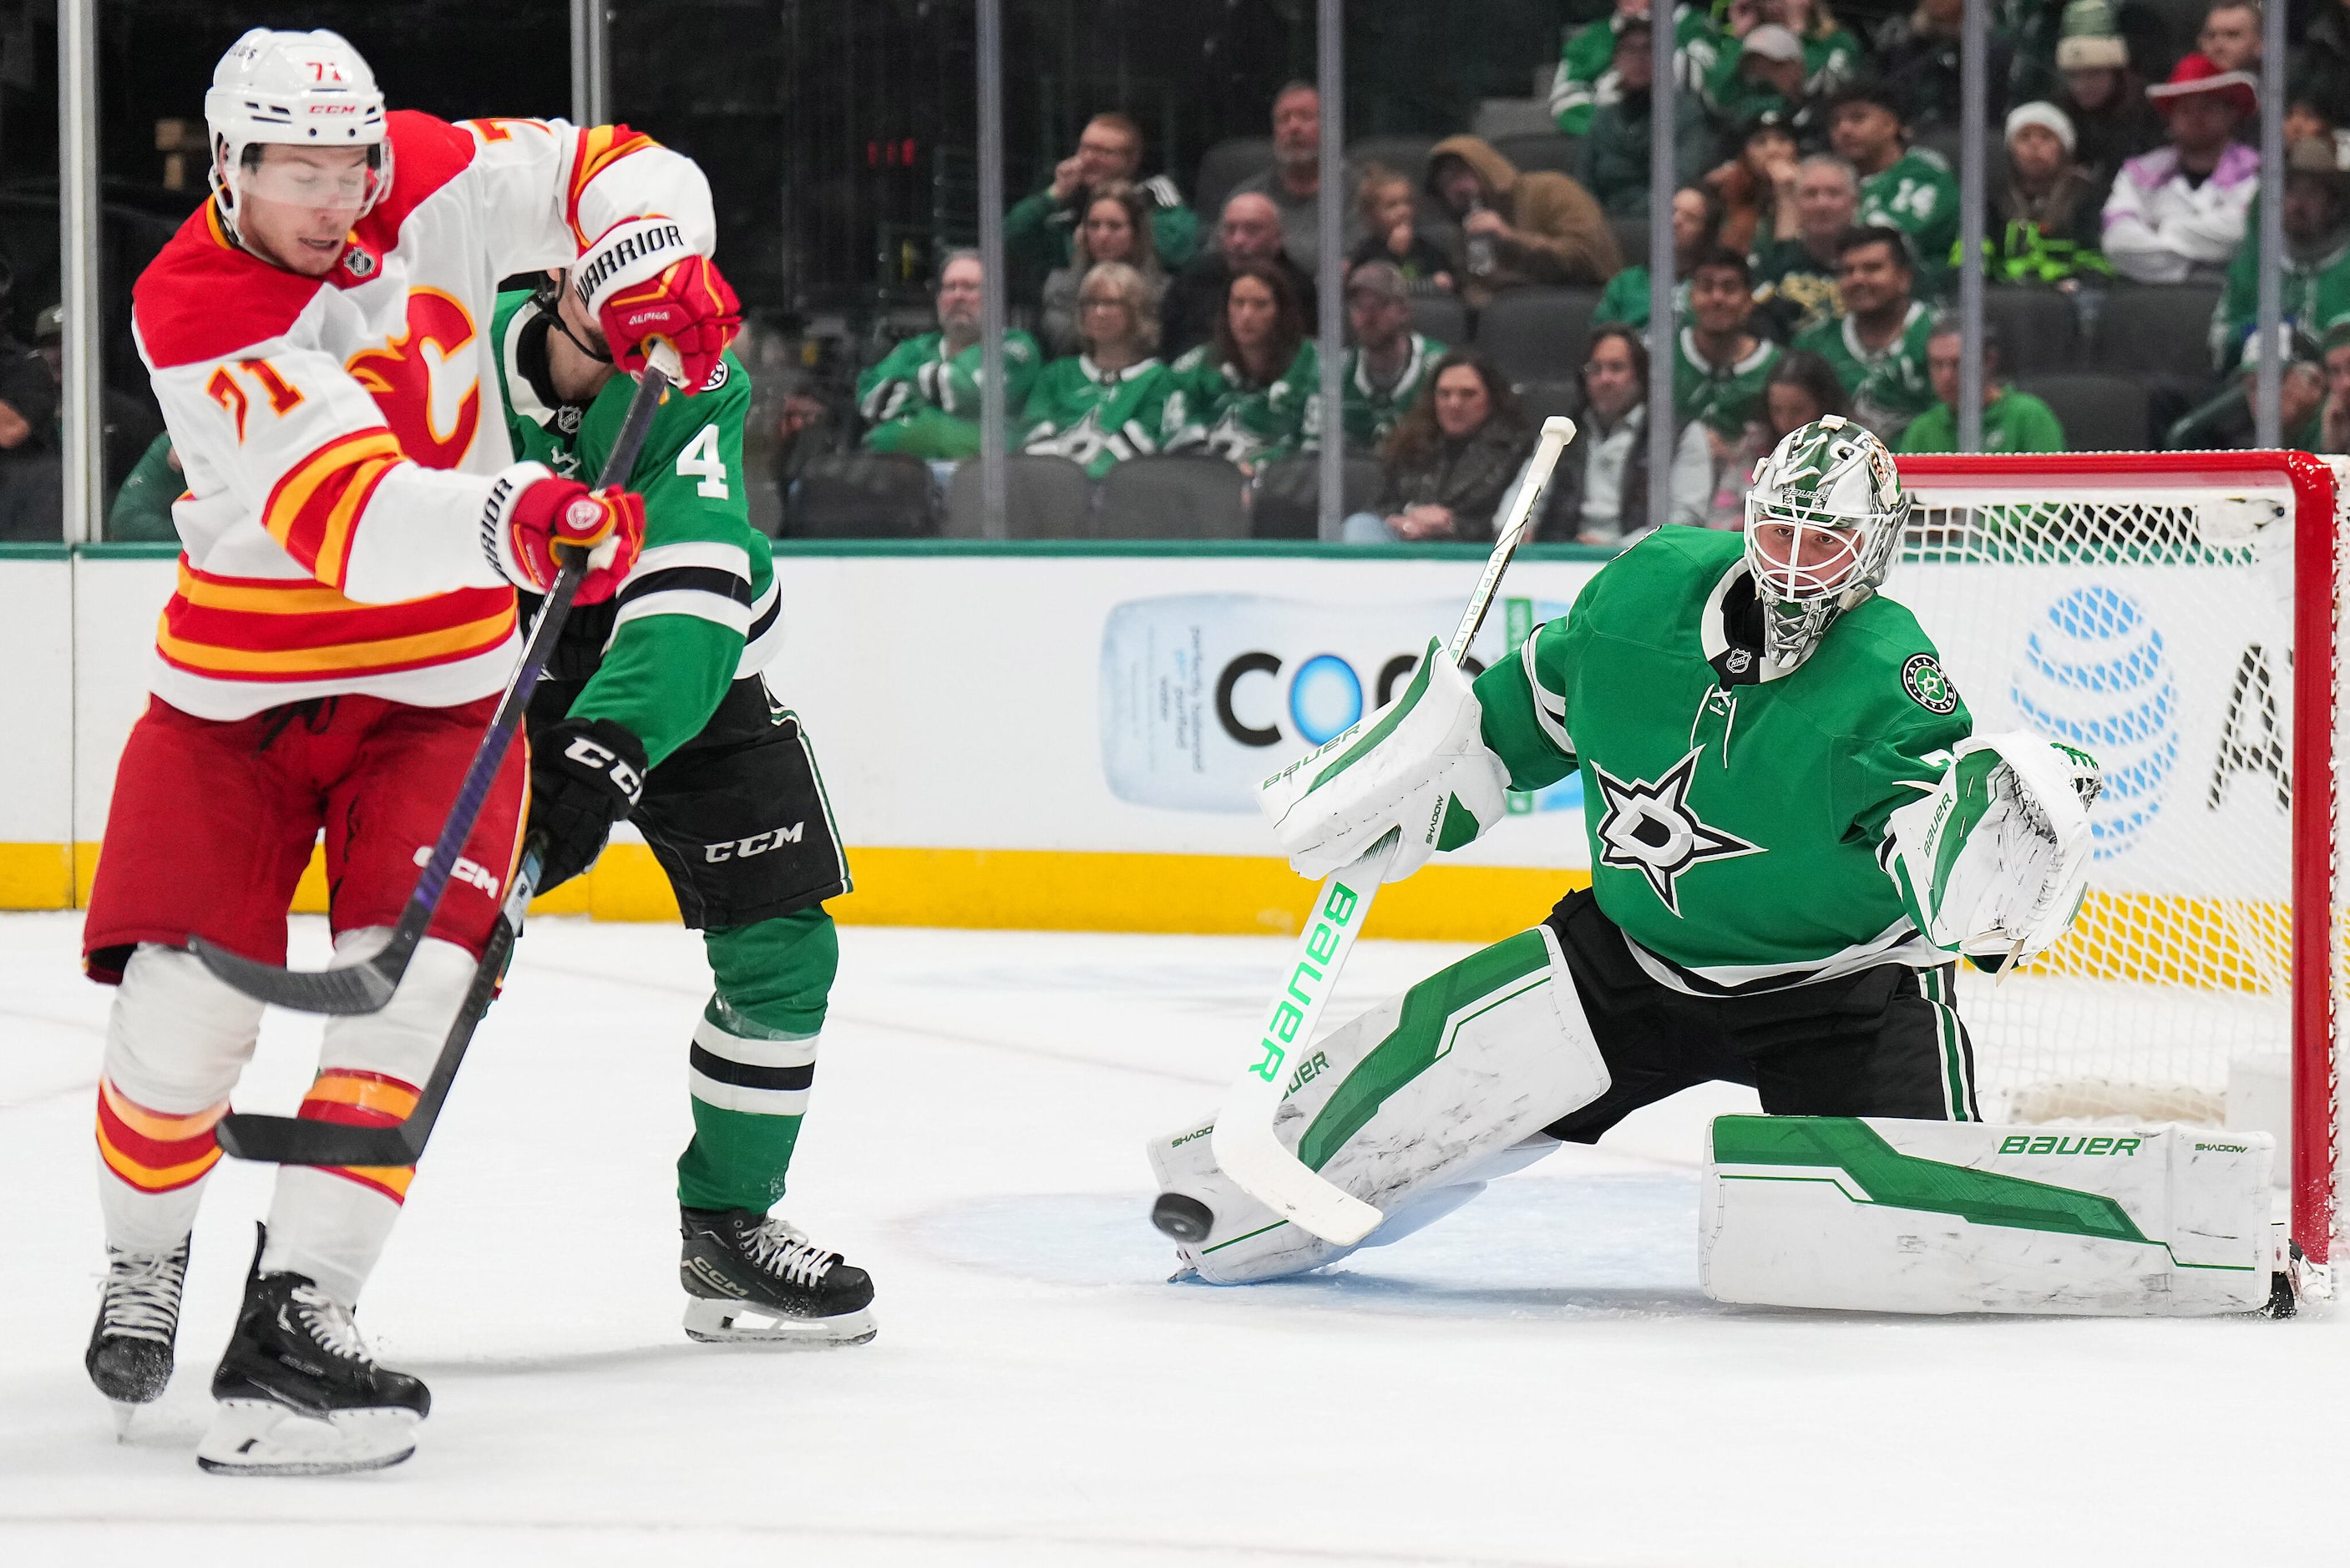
column 1649, row 828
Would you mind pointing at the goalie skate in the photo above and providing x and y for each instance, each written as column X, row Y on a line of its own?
column 129, row 1355
column 758, row 1281
column 300, row 1395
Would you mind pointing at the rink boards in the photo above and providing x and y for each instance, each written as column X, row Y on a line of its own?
column 1066, row 736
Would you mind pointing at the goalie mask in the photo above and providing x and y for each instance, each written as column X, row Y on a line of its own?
column 1823, row 516
column 294, row 90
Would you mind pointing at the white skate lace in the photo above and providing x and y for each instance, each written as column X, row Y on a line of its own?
column 329, row 1324
column 780, row 1249
column 142, row 1295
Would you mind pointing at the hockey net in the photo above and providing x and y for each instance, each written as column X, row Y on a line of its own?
column 2175, row 615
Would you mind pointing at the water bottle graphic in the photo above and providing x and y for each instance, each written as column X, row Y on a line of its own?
column 1204, row 695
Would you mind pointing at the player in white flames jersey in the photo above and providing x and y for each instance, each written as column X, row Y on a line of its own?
column 354, row 527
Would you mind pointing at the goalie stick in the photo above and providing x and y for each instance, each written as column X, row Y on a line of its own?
column 297, row 1140
column 367, row 986
column 1244, row 1143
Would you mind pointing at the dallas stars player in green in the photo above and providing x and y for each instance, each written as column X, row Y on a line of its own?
column 654, row 709
column 1793, row 830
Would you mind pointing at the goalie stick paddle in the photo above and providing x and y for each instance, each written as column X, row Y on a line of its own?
column 1246, row 1148
column 297, row 1140
column 365, row 986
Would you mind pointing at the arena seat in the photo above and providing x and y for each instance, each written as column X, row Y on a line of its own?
column 2038, row 329
column 1442, row 316
column 1222, row 167
column 2099, row 412
column 861, row 496
column 2156, row 328
column 1550, row 149
column 1178, row 495
column 1288, row 495
column 1043, row 498
column 1538, row 334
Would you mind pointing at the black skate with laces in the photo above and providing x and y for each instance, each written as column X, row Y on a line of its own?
column 758, row 1281
column 130, row 1357
column 300, row 1395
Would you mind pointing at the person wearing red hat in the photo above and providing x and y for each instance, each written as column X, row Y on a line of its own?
column 2179, row 212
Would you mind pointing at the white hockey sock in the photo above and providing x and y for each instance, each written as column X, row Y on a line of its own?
column 331, row 1222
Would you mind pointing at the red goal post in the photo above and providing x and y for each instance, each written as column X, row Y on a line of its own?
column 2133, row 601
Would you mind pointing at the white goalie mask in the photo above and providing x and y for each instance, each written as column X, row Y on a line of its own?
column 296, row 89
column 1823, row 514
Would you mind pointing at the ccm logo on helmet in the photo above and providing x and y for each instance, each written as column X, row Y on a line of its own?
column 604, row 760
column 757, row 844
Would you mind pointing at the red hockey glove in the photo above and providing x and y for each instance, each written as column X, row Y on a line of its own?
column 607, row 524
column 642, row 284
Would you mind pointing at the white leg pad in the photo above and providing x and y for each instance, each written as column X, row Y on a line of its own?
column 176, row 1039
column 323, row 1224
column 1878, row 1214
column 1411, row 1107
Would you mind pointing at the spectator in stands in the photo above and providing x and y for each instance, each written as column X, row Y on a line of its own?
column 1293, row 183
column 1599, row 492
column 924, row 397
column 1117, row 400
column 1589, row 74
column 2011, row 420
column 2104, row 94
column 1117, row 227
column 1244, row 394
column 142, row 506
column 1795, row 263
column 2227, row 420
column 1750, row 183
column 2321, row 63
column 32, row 478
column 2047, row 225
column 1452, row 461
column 2315, row 282
column 1614, row 161
column 1390, row 220
column 1249, row 231
column 809, row 427
column 1719, row 365
column 1388, row 368
column 1040, row 233
column 1918, row 56
column 1878, row 350
column 1535, row 227
column 1697, row 223
column 2179, row 212
column 2334, row 421
column 2303, row 119
column 2231, row 37
column 1800, row 389
column 1825, row 57
column 1904, row 188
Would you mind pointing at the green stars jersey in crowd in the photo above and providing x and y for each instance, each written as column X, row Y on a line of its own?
column 1241, row 423
column 1724, row 396
column 922, row 401
column 700, row 609
column 1370, row 414
column 1889, row 386
column 1735, row 830
column 1917, row 194
column 1099, row 418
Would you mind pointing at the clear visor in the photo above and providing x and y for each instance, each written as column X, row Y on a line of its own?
column 1802, row 556
column 299, row 182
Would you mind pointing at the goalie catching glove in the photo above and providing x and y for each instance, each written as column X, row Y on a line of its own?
column 1994, row 862
column 1419, row 765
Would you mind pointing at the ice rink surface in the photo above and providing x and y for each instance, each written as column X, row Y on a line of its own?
column 1536, row 1380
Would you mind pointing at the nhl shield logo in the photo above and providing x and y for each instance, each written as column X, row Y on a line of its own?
column 359, row 262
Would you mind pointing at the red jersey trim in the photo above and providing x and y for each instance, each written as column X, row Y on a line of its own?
column 314, row 509
column 276, row 629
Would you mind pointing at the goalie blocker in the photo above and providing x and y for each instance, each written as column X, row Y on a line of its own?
column 1875, row 1214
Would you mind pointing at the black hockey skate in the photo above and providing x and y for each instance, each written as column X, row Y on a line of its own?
column 757, row 1280
column 300, row 1395
column 130, row 1357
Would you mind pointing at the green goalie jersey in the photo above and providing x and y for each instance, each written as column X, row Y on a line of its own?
column 1737, row 826
column 700, row 610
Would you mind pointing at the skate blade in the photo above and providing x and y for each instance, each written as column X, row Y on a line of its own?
column 741, row 1322
column 123, row 1410
column 261, row 1438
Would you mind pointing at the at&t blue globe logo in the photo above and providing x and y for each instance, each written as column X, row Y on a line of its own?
column 2094, row 675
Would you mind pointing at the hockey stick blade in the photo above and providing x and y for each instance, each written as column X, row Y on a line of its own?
column 297, row 1140
column 1246, row 1148
column 367, row 987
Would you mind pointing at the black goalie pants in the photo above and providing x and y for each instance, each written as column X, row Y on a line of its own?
column 1884, row 1041
column 737, row 816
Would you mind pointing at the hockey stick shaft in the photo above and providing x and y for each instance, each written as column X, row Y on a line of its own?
column 367, row 986
column 1247, row 1146
column 297, row 1140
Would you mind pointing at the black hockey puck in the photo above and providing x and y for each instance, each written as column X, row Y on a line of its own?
column 1182, row 1218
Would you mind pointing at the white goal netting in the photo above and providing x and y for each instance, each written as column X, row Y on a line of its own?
column 2150, row 620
